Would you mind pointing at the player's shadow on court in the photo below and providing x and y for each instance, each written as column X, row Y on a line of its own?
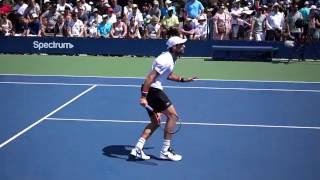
column 123, row 152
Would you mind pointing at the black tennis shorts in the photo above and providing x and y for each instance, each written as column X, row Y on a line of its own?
column 158, row 100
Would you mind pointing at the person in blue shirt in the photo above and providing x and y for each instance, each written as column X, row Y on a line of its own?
column 34, row 26
column 104, row 27
column 164, row 10
column 194, row 9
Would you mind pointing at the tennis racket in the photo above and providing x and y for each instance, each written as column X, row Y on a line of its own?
column 162, row 121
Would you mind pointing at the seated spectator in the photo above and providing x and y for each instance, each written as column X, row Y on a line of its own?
column 133, row 29
column 112, row 16
column 19, row 8
column 94, row 20
column 104, row 27
column 117, row 9
column 136, row 14
column 155, row 10
column 164, row 10
column 119, row 29
column 76, row 26
column 60, row 29
column 83, row 16
column 221, row 24
column 33, row 8
column 62, row 5
column 67, row 12
column 201, row 29
column 188, row 29
column 49, row 19
column 5, row 7
column 87, row 7
column 20, row 27
column 193, row 9
column 258, row 26
column 274, row 24
column 170, row 24
column 127, row 10
column 5, row 26
column 152, row 30
column 46, row 6
column 34, row 26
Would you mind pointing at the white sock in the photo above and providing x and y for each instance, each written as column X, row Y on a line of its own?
column 140, row 143
column 166, row 145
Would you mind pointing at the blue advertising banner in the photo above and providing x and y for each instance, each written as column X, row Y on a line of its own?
column 92, row 46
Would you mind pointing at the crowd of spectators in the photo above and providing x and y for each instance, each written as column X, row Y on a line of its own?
column 270, row 20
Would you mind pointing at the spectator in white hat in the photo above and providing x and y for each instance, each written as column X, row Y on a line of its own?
column 169, row 24
column 201, row 29
column 164, row 10
column 153, row 29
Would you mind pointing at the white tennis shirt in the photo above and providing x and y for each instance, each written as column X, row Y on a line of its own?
column 164, row 65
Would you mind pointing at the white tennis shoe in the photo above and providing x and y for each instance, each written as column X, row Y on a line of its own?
column 138, row 153
column 170, row 155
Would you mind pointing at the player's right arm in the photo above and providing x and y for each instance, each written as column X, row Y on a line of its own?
column 146, row 85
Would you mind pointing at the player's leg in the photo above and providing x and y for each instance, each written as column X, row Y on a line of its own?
column 137, row 151
column 167, row 151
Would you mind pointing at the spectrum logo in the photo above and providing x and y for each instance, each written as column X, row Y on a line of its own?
column 51, row 45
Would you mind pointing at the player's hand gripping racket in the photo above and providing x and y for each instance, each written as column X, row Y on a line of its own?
column 161, row 119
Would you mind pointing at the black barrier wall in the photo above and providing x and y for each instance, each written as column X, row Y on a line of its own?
column 92, row 46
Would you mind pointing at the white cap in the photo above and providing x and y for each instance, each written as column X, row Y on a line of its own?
column 202, row 17
column 313, row 7
column 174, row 40
column 246, row 10
column 34, row 15
column 168, row 2
column 46, row 1
column 171, row 8
column 306, row 3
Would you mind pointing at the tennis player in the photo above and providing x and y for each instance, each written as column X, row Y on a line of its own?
column 152, row 94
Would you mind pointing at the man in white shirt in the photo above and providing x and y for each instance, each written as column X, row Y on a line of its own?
column 76, row 26
column 152, row 94
column 274, row 23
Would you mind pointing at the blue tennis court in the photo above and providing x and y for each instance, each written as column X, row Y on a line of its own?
column 64, row 127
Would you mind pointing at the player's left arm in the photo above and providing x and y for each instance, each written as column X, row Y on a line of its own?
column 174, row 77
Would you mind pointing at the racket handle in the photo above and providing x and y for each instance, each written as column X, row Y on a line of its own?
column 149, row 108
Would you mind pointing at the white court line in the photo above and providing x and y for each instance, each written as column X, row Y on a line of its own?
column 45, row 117
column 170, row 87
column 190, row 123
column 129, row 77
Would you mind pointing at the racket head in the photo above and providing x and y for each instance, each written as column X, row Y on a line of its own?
column 162, row 120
